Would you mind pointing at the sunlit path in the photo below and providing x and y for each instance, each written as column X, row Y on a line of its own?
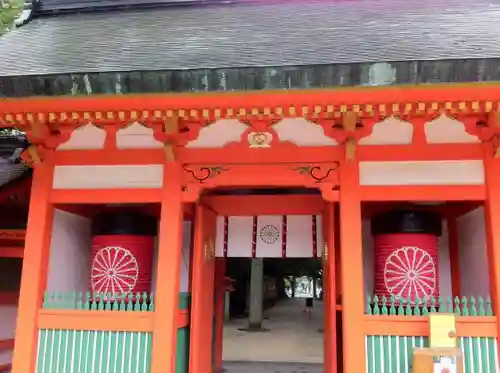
column 292, row 336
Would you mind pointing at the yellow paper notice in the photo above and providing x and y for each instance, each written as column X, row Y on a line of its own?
column 443, row 332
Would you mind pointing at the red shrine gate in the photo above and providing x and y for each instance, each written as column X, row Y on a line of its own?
column 251, row 235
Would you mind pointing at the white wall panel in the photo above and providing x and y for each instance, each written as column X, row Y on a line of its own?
column 186, row 256
column 319, row 236
column 422, row 173
column 299, row 236
column 239, row 238
column 219, row 237
column 185, row 259
column 474, row 272
column 86, row 137
column 444, row 267
column 269, row 240
column 137, row 136
column 70, row 253
column 104, row 177
column 8, row 316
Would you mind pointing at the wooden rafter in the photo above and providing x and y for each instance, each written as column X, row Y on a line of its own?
column 366, row 102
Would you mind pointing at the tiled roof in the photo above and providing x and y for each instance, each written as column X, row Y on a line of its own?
column 254, row 35
column 10, row 171
column 11, row 147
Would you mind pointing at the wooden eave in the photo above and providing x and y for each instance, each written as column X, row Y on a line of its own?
column 249, row 79
column 463, row 100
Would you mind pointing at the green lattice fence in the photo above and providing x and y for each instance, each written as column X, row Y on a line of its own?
column 99, row 301
column 84, row 351
column 106, row 302
column 393, row 354
column 463, row 306
column 182, row 360
column 88, row 351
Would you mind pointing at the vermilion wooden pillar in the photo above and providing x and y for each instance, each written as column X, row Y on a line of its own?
column 492, row 217
column 329, row 288
column 220, row 271
column 351, row 264
column 168, row 272
column 202, row 292
column 35, row 266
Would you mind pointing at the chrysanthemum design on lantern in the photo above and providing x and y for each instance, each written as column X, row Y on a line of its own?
column 410, row 272
column 114, row 270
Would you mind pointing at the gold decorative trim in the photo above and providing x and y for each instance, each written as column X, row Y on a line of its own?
column 311, row 111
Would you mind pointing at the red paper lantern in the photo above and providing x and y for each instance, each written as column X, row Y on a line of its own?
column 406, row 255
column 121, row 264
column 406, row 265
column 122, row 253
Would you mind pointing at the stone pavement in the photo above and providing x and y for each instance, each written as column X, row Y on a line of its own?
column 292, row 338
column 271, row 367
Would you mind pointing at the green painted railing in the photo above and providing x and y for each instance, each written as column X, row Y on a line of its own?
column 182, row 357
column 99, row 301
column 106, row 302
column 420, row 307
column 87, row 351
column 394, row 354
column 83, row 351
column 182, row 352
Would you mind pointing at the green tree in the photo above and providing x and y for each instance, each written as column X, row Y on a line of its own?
column 9, row 10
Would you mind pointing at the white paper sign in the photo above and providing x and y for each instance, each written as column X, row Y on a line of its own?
column 445, row 365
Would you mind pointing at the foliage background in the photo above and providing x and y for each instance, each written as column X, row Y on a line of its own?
column 9, row 10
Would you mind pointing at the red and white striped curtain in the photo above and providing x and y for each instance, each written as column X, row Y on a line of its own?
column 269, row 236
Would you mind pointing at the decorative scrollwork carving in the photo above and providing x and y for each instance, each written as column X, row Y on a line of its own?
column 318, row 173
column 202, row 174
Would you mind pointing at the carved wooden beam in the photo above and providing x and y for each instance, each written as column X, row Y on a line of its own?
column 349, row 120
column 36, row 129
column 493, row 123
column 34, row 156
column 171, row 131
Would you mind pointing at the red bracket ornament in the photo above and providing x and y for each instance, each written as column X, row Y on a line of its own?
column 487, row 130
column 347, row 130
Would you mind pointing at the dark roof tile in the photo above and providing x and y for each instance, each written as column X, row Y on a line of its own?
column 254, row 35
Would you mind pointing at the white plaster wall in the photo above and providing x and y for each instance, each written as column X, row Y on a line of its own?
column 185, row 260
column 8, row 314
column 369, row 261
column 422, row 173
column 186, row 256
column 444, row 266
column 474, row 272
column 108, row 177
column 70, row 253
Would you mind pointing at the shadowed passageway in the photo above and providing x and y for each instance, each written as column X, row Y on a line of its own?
column 292, row 338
